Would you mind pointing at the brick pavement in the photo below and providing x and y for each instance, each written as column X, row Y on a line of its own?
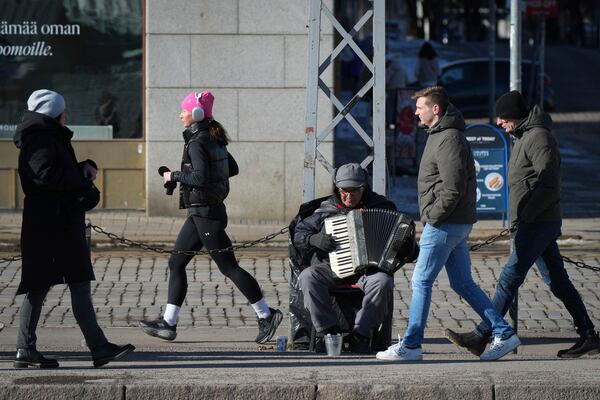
column 133, row 285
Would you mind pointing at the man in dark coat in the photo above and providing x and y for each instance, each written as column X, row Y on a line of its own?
column 352, row 192
column 534, row 201
column 58, row 191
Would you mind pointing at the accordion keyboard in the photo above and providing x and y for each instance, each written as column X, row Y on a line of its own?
column 341, row 258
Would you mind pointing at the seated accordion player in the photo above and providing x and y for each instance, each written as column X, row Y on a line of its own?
column 371, row 238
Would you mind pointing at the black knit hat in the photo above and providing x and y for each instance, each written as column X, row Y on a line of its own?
column 511, row 105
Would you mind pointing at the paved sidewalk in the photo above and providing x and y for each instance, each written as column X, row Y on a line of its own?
column 224, row 363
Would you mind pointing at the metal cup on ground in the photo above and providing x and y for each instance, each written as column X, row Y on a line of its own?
column 333, row 344
column 281, row 343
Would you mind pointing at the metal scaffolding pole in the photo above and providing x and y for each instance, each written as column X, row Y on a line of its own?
column 515, row 44
column 312, row 135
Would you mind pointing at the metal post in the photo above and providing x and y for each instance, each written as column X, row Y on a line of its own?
column 379, row 164
column 542, row 57
column 515, row 84
column 515, row 45
column 312, row 91
column 492, row 65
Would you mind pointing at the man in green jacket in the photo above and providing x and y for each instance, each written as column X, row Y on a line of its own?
column 446, row 185
column 534, row 201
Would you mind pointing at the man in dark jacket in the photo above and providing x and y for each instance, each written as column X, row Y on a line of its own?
column 446, row 185
column 352, row 192
column 58, row 191
column 534, row 200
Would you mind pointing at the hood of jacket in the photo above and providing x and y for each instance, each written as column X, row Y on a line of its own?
column 452, row 118
column 536, row 119
column 39, row 124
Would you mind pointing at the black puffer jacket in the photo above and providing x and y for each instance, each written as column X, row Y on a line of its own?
column 205, row 168
column 315, row 223
column 534, row 171
column 53, row 243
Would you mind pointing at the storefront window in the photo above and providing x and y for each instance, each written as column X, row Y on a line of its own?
column 90, row 51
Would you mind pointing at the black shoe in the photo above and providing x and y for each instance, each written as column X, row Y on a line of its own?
column 588, row 343
column 110, row 352
column 159, row 328
column 26, row 358
column 301, row 343
column 360, row 344
column 268, row 326
column 471, row 341
column 320, row 345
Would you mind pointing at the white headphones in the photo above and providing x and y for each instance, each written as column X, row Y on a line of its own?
column 197, row 112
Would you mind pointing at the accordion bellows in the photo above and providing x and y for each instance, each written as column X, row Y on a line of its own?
column 368, row 238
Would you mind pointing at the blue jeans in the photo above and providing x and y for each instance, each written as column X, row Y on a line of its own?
column 447, row 245
column 536, row 243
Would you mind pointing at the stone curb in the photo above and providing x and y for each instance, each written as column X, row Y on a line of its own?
column 24, row 388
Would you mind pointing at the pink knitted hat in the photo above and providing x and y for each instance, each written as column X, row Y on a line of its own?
column 205, row 100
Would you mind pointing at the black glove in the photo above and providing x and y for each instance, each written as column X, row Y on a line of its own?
column 322, row 241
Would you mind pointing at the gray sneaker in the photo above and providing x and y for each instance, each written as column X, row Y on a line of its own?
column 159, row 328
column 500, row 347
column 268, row 326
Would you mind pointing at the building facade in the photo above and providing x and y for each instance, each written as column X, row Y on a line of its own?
column 125, row 65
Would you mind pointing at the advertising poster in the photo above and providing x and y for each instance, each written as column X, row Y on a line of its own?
column 490, row 151
column 89, row 51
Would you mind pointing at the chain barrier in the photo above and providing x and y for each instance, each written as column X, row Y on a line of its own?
column 131, row 243
column 492, row 239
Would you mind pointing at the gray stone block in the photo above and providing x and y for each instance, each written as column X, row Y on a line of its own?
column 278, row 16
column 174, row 73
column 259, row 183
column 422, row 391
column 237, row 61
column 57, row 387
column 192, row 16
column 234, row 392
column 547, row 391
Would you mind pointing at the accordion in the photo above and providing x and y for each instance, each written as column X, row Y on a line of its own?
column 369, row 238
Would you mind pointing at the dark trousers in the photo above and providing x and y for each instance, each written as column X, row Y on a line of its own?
column 195, row 234
column 536, row 243
column 83, row 309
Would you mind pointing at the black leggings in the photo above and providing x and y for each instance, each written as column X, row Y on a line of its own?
column 196, row 233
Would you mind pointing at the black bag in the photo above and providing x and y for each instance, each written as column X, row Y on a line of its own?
column 300, row 323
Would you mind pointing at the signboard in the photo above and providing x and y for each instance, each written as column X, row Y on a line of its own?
column 490, row 151
column 549, row 8
column 89, row 51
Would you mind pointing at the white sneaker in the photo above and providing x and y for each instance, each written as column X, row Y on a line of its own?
column 500, row 347
column 397, row 352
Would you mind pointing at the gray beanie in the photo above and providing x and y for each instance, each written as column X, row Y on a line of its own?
column 46, row 102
